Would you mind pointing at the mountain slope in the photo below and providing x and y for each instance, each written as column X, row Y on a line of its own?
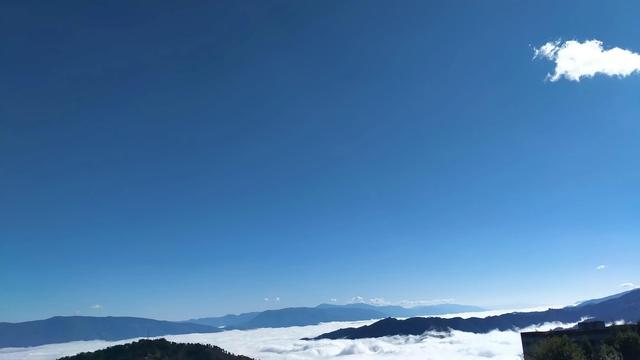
column 159, row 349
column 625, row 307
column 227, row 321
column 72, row 328
column 597, row 301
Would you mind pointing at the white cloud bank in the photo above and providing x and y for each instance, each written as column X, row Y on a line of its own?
column 601, row 267
column 575, row 60
column 285, row 344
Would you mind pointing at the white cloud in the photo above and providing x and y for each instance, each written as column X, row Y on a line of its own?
column 285, row 343
column 601, row 267
column 357, row 299
column 277, row 298
column 377, row 301
column 627, row 285
column 266, row 299
column 575, row 60
column 333, row 300
column 95, row 307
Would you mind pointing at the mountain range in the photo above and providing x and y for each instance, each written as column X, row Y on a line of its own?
column 302, row 316
column 61, row 329
column 624, row 306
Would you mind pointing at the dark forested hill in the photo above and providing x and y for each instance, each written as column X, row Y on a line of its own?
column 72, row 328
column 625, row 307
column 159, row 349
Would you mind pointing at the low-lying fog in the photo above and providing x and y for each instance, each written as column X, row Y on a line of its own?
column 285, row 343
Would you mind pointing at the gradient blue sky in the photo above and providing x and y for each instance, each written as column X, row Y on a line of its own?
column 173, row 160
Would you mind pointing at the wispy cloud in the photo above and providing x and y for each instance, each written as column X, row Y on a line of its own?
column 378, row 301
column 628, row 285
column 95, row 307
column 411, row 303
column 601, row 267
column 575, row 60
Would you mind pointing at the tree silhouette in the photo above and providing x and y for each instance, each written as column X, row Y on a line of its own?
column 558, row 348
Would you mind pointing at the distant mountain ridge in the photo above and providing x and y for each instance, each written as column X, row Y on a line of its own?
column 625, row 306
column 74, row 328
column 301, row 316
column 61, row 329
column 400, row 311
column 308, row 316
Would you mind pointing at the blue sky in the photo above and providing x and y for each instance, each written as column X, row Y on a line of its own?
column 174, row 161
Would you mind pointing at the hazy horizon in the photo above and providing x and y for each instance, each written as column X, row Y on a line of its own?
column 511, row 307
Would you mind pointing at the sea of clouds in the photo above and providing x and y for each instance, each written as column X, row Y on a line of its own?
column 285, row 343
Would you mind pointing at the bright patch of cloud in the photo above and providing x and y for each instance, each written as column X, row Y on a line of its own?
column 601, row 267
column 575, row 60
column 333, row 300
column 628, row 285
column 96, row 306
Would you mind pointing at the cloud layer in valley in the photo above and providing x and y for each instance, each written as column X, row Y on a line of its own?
column 406, row 303
column 285, row 343
column 575, row 60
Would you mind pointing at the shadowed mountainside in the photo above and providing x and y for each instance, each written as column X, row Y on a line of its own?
column 624, row 307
